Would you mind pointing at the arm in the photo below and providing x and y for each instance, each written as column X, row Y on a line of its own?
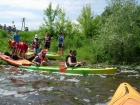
column 34, row 61
column 50, row 39
column 13, row 37
column 49, row 63
column 19, row 38
column 73, row 64
column 41, row 43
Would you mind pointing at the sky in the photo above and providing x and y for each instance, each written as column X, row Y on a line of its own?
column 33, row 10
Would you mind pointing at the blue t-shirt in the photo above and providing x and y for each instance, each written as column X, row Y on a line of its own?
column 16, row 37
column 60, row 40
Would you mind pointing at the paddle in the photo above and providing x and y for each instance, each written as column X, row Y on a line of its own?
column 62, row 69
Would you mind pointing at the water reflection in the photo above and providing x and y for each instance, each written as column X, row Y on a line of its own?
column 21, row 87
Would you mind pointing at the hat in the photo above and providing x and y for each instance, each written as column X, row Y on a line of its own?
column 44, row 51
column 36, row 36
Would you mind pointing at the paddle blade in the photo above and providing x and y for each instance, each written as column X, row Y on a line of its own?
column 62, row 69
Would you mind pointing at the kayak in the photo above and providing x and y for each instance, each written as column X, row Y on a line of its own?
column 13, row 62
column 29, row 54
column 72, row 70
column 125, row 95
column 49, row 55
column 53, row 56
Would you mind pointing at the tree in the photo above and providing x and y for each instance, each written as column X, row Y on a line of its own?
column 87, row 22
column 119, row 30
column 51, row 15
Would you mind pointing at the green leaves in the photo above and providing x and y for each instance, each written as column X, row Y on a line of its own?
column 86, row 21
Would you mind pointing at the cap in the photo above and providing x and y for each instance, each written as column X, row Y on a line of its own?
column 36, row 36
column 44, row 51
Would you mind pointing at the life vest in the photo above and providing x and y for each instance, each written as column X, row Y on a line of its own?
column 36, row 43
column 40, row 59
column 68, row 57
column 47, row 39
column 73, row 60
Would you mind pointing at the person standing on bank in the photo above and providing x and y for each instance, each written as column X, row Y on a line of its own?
column 60, row 43
column 16, row 38
column 47, row 41
column 36, row 45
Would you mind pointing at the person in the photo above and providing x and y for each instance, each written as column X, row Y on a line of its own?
column 26, row 28
column 16, row 38
column 4, row 27
column 60, row 43
column 13, row 28
column 36, row 45
column 12, row 56
column 71, row 60
column 47, row 41
column 0, row 26
column 42, row 60
column 23, row 47
column 69, row 55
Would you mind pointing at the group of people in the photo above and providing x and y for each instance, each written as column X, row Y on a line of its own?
column 18, row 47
column 71, row 60
column 9, row 28
column 35, row 43
column 40, row 58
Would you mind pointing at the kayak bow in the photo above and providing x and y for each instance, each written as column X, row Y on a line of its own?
column 125, row 95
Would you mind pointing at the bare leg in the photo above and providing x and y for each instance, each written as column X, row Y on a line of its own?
column 44, row 63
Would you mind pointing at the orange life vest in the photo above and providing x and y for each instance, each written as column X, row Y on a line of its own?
column 47, row 39
column 36, row 43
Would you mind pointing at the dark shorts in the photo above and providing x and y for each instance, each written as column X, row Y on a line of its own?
column 60, row 46
column 47, row 45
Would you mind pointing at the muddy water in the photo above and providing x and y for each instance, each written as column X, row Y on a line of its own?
column 19, row 87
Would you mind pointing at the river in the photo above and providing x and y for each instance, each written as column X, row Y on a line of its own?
column 20, row 87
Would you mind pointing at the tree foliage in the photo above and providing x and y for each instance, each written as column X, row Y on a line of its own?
column 119, row 30
column 51, row 15
column 87, row 22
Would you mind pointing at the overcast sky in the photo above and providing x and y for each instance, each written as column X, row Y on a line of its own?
column 32, row 10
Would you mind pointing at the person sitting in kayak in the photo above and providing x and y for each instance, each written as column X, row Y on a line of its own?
column 69, row 55
column 41, row 59
column 12, row 56
column 71, row 60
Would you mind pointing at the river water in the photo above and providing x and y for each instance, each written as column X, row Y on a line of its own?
column 20, row 87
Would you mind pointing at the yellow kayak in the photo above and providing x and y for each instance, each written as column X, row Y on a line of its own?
column 125, row 95
column 29, row 54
